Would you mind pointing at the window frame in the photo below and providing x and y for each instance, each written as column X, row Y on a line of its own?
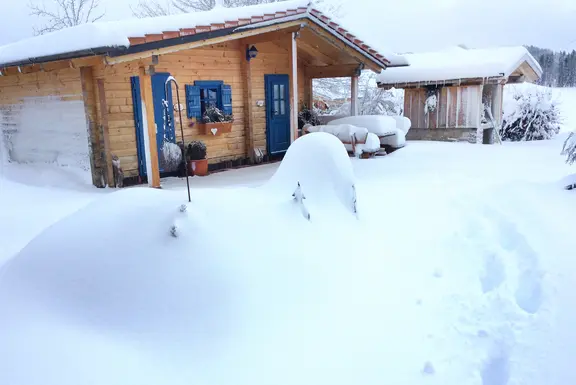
column 205, row 86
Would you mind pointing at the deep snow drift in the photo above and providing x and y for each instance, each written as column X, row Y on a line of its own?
column 458, row 269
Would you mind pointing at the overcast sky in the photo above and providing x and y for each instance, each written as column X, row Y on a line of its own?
column 400, row 25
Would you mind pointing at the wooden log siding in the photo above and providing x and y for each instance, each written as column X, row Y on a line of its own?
column 217, row 62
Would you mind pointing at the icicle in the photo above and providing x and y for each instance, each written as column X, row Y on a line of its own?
column 299, row 198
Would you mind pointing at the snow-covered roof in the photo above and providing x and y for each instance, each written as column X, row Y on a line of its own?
column 460, row 63
column 96, row 38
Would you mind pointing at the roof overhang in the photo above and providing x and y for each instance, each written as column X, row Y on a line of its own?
column 311, row 20
column 296, row 22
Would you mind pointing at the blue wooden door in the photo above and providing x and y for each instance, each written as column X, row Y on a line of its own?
column 277, row 113
column 138, row 123
column 163, row 118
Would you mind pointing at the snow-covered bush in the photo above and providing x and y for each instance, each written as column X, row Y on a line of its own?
column 569, row 148
column 215, row 115
column 196, row 150
column 307, row 116
column 371, row 99
column 530, row 115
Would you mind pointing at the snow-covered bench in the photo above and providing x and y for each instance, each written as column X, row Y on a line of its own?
column 391, row 131
column 356, row 139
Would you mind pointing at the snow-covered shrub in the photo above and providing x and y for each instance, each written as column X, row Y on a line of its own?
column 215, row 115
column 530, row 115
column 172, row 154
column 307, row 116
column 196, row 150
column 569, row 148
column 431, row 101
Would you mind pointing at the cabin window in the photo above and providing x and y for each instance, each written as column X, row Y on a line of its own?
column 205, row 94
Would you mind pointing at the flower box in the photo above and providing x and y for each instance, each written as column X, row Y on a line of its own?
column 214, row 129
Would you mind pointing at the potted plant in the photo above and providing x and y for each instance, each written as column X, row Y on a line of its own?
column 215, row 122
column 196, row 158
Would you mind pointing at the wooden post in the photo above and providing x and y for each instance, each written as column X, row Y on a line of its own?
column 354, row 96
column 248, row 105
column 105, row 134
column 308, row 92
column 89, row 99
column 149, row 123
column 293, row 87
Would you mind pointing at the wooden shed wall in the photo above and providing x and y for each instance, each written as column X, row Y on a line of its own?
column 457, row 107
column 216, row 62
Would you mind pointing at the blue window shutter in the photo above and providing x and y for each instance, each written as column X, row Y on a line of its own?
column 226, row 95
column 193, row 101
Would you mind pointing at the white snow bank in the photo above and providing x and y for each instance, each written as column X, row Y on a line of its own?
column 371, row 146
column 398, row 140
column 460, row 63
column 376, row 124
column 403, row 123
column 320, row 163
column 484, row 295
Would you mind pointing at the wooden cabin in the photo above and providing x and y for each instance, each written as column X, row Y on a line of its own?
column 456, row 94
column 91, row 94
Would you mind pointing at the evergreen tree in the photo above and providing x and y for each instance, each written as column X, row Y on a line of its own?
column 558, row 68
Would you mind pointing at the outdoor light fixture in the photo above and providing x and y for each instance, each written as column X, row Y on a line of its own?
column 251, row 53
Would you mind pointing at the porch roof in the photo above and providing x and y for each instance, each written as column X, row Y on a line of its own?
column 117, row 38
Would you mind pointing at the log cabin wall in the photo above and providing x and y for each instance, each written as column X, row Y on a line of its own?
column 221, row 62
column 456, row 116
column 44, row 118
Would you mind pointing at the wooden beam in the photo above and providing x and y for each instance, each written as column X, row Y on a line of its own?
column 293, row 87
column 89, row 99
column 152, row 169
column 204, row 42
column 54, row 65
column 448, row 82
column 271, row 36
column 337, row 71
column 308, row 92
column 354, row 96
column 343, row 46
column 248, row 105
column 315, row 52
column 105, row 133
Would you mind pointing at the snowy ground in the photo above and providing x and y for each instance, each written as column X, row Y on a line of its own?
column 458, row 270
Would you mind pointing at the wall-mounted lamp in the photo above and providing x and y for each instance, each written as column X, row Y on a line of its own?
column 251, row 53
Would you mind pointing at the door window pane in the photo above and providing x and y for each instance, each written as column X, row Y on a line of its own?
column 276, row 91
column 282, row 107
column 281, row 91
column 276, row 109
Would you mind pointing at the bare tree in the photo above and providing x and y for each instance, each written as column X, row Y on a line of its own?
column 65, row 13
column 151, row 8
